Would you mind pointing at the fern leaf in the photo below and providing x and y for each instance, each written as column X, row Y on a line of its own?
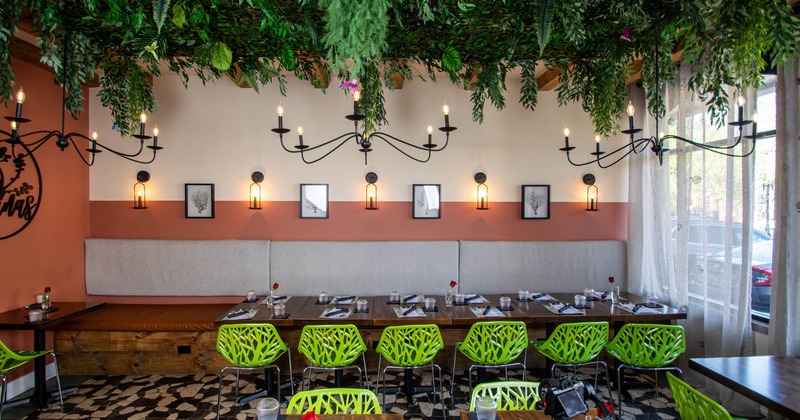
column 545, row 22
column 160, row 9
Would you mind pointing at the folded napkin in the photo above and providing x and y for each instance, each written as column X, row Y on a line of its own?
column 486, row 312
column 344, row 300
column 636, row 308
column 412, row 298
column 540, row 296
column 241, row 314
column 559, row 309
column 476, row 298
column 277, row 299
column 409, row 312
column 335, row 313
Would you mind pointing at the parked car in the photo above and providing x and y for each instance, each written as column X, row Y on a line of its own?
column 761, row 266
column 714, row 236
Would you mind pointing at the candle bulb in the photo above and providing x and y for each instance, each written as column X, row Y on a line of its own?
column 597, row 143
column 300, row 133
column 139, row 199
column 94, row 140
column 155, row 136
column 630, row 111
column 446, row 112
column 430, row 133
column 13, row 126
column 591, row 206
column 356, row 98
column 755, row 125
column 566, row 137
column 255, row 200
column 741, row 108
column 20, row 101
column 142, row 120
column 280, row 115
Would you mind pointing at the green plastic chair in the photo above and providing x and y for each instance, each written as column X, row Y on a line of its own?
column 574, row 345
column 410, row 347
column 647, row 347
column 332, row 348
column 492, row 344
column 251, row 347
column 691, row 404
column 335, row 401
column 510, row 395
column 11, row 360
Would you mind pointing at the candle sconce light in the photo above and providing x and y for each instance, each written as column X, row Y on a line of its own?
column 139, row 190
column 255, row 190
column 371, row 199
column 482, row 197
column 592, row 196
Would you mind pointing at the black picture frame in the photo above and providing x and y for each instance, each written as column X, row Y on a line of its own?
column 426, row 201
column 314, row 201
column 535, row 201
column 199, row 202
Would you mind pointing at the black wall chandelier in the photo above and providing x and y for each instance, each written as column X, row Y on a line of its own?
column 364, row 140
column 20, row 176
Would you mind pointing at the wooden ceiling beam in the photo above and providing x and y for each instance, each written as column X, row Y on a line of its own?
column 549, row 79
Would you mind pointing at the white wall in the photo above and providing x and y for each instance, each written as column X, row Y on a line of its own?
column 220, row 133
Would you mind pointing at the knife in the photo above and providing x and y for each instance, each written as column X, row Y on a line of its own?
column 472, row 298
column 336, row 312
column 410, row 310
column 604, row 295
column 339, row 299
column 540, row 295
column 487, row 310
column 279, row 298
column 412, row 297
column 637, row 307
column 564, row 308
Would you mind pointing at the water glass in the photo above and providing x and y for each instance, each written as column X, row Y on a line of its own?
column 361, row 305
column 394, row 297
column 505, row 302
column 430, row 304
column 323, row 297
column 35, row 315
column 280, row 309
column 460, row 298
column 39, row 298
column 485, row 408
column 651, row 299
column 588, row 293
column 580, row 300
column 268, row 408
column 251, row 296
column 523, row 295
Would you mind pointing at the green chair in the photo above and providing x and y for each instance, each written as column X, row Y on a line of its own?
column 510, row 395
column 646, row 347
column 692, row 405
column 574, row 345
column 407, row 348
column 251, row 347
column 11, row 360
column 491, row 344
column 335, row 401
column 332, row 348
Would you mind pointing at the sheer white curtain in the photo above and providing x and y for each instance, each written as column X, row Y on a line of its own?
column 687, row 230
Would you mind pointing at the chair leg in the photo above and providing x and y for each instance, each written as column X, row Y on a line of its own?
column 279, row 383
column 608, row 382
column 219, row 391
column 291, row 372
column 3, row 396
column 58, row 381
column 366, row 373
column 441, row 393
column 619, row 388
column 378, row 383
column 360, row 377
column 453, row 375
column 237, row 384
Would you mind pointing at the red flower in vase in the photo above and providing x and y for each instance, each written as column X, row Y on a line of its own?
column 275, row 286
column 611, row 280
column 453, row 284
column 47, row 289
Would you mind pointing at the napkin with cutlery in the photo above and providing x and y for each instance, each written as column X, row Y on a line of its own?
column 475, row 298
column 563, row 309
column 486, row 312
column 412, row 298
column 335, row 313
column 540, row 296
column 241, row 314
column 344, row 300
column 636, row 308
column 412, row 311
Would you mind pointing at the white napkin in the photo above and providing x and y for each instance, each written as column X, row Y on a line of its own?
column 416, row 313
column 277, row 299
column 332, row 313
column 344, row 300
column 555, row 307
column 412, row 298
column 474, row 299
column 241, row 314
column 631, row 307
column 539, row 296
column 482, row 312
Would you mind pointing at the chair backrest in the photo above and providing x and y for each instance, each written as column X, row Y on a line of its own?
column 510, row 395
column 335, row 401
column 331, row 345
column 577, row 342
column 495, row 342
column 691, row 404
column 410, row 345
column 648, row 345
column 250, row 345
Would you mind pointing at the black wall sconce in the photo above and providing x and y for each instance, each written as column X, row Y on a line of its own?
column 255, row 190
column 139, row 190
column 592, row 196
column 371, row 199
column 482, row 197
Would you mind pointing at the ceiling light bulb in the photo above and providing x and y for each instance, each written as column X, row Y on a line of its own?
column 155, row 131
column 566, row 132
column 446, row 109
column 630, row 108
column 300, row 130
column 280, row 110
column 143, row 118
column 20, row 96
column 430, row 129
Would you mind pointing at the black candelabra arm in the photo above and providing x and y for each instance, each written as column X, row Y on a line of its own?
column 383, row 136
column 634, row 146
column 346, row 136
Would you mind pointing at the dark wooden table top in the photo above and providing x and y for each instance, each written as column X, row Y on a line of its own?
column 293, row 306
column 384, row 314
column 311, row 311
column 348, row 417
column 521, row 415
column 17, row 319
column 666, row 313
column 537, row 310
column 772, row 381
column 463, row 314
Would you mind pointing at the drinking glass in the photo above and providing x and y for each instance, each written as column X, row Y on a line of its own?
column 268, row 408
column 505, row 302
column 323, row 297
column 460, row 298
column 589, row 293
column 39, row 297
column 485, row 408
column 251, row 296
column 280, row 309
column 361, row 305
column 394, row 297
column 35, row 315
column 523, row 295
column 430, row 303
column 651, row 299
column 580, row 300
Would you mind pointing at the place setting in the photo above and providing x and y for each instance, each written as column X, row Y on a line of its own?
column 412, row 311
column 560, row 308
column 335, row 313
column 526, row 296
column 462, row 299
column 395, row 298
column 241, row 314
column 650, row 306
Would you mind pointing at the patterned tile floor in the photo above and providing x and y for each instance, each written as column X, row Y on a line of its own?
column 195, row 397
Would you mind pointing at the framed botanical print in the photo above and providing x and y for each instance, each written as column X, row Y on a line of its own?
column 427, row 201
column 199, row 201
column 535, row 201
